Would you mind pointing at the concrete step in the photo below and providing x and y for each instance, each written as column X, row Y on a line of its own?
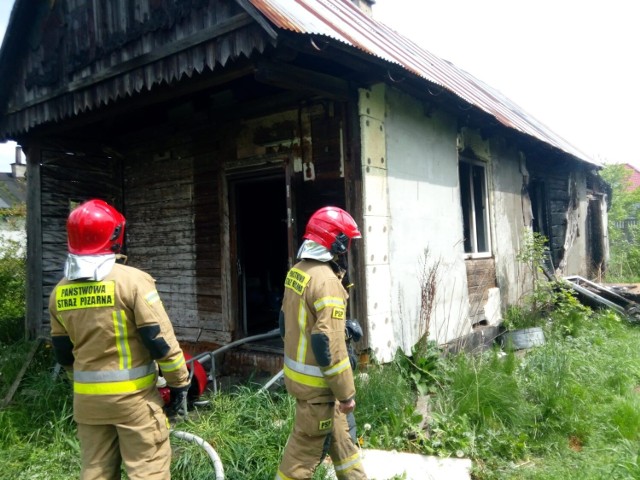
column 385, row 465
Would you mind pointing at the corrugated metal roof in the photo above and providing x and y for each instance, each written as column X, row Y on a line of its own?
column 343, row 21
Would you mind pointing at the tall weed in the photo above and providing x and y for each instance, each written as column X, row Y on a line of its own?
column 386, row 404
column 484, row 390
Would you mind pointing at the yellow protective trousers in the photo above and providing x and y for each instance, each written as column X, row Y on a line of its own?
column 142, row 444
column 319, row 429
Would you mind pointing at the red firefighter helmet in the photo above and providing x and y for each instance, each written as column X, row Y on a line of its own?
column 95, row 228
column 333, row 228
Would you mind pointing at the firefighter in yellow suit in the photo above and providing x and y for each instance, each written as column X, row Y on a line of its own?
column 316, row 362
column 110, row 332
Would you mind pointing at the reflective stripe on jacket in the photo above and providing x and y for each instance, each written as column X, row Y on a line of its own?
column 114, row 381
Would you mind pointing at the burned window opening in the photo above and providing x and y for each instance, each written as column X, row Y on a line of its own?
column 475, row 212
column 539, row 207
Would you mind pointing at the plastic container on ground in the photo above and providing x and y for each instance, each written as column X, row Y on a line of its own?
column 523, row 338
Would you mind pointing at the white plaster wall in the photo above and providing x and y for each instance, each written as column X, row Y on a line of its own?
column 412, row 206
column 424, row 205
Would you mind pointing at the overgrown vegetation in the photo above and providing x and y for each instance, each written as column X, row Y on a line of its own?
column 624, row 226
column 569, row 407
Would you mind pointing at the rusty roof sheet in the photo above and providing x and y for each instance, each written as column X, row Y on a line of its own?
column 341, row 20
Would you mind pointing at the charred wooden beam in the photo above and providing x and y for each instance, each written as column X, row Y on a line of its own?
column 157, row 95
column 35, row 293
column 258, row 17
column 290, row 77
column 363, row 67
column 207, row 34
column 275, row 102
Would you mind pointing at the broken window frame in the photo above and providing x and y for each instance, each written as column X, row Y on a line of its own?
column 475, row 218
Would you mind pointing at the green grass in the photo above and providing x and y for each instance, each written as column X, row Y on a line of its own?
column 575, row 408
column 247, row 427
column 568, row 408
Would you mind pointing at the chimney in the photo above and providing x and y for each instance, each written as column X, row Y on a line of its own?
column 18, row 169
column 365, row 5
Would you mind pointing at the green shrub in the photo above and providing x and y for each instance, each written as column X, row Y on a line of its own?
column 248, row 429
column 485, row 390
column 423, row 366
column 12, row 291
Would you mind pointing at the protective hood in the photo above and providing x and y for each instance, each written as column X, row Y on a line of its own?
column 90, row 267
column 314, row 251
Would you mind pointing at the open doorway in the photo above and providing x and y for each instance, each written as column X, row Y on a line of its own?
column 596, row 250
column 262, row 249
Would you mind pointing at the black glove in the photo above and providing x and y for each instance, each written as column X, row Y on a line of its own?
column 353, row 357
column 178, row 400
column 353, row 333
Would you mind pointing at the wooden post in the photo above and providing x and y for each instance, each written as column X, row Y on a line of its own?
column 34, row 294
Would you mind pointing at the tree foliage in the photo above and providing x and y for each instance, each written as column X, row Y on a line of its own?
column 12, row 290
column 624, row 225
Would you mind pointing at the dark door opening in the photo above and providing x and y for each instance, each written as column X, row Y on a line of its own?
column 540, row 210
column 262, row 250
column 595, row 239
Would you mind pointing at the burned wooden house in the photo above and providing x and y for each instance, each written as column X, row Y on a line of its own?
column 219, row 126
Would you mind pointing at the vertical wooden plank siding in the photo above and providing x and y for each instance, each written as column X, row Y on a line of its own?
column 556, row 179
column 481, row 277
column 173, row 216
column 67, row 178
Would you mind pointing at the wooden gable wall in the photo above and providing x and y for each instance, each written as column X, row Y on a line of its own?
column 81, row 55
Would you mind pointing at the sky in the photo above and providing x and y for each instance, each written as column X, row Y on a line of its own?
column 571, row 64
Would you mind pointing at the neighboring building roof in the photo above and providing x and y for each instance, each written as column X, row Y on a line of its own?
column 343, row 21
column 634, row 179
column 13, row 191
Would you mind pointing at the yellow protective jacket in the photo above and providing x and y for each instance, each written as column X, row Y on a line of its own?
column 316, row 362
column 113, row 334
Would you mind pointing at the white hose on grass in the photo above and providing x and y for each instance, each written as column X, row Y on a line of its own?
column 217, row 463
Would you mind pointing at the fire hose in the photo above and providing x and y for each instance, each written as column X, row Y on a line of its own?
column 198, row 377
column 353, row 332
column 213, row 455
column 195, row 370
